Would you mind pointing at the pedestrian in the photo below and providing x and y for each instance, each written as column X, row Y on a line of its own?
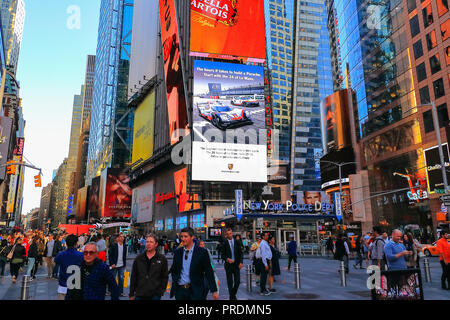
column 95, row 277
column 58, row 247
column 17, row 257
column 3, row 254
column 341, row 251
column 410, row 245
column 443, row 248
column 252, row 257
column 190, row 265
column 118, row 260
column 130, row 245
column 233, row 256
column 32, row 257
column 48, row 255
column 81, row 241
column 365, row 247
column 396, row 252
column 359, row 245
column 329, row 245
column 377, row 249
column 101, row 247
column 219, row 250
column 275, row 270
column 66, row 258
column 292, row 251
column 150, row 273
column 205, row 280
column 264, row 257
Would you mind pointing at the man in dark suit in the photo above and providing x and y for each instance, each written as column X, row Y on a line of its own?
column 118, row 260
column 234, row 258
column 191, row 264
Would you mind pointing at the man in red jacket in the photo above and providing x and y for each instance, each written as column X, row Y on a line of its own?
column 443, row 248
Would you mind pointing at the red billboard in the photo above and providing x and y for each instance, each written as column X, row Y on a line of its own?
column 117, row 201
column 183, row 198
column 18, row 149
column 176, row 99
column 232, row 28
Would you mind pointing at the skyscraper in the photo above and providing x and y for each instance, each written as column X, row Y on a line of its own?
column 110, row 139
column 13, row 20
column 88, row 88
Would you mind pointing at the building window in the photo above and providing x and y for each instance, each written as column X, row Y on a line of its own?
column 445, row 30
column 442, row 116
column 435, row 65
column 431, row 40
column 181, row 222
column 414, row 25
column 160, row 225
column 411, row 5
column 198, row 221
column 427, row 13
column 421, row 72
column 442, row 6
column 418, row 50
column 438, row 87
column 169, row 224
column 424, row 95
column 447, row 55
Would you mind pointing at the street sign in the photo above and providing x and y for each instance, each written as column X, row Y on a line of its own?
column 338, row 206
column 238, row 203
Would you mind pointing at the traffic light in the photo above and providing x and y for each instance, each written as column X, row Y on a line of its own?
column 37, row 181
column 10, row 169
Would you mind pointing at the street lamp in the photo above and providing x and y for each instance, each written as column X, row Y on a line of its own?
column 340, row 165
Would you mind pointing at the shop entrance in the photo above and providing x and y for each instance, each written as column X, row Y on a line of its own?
column 285, row 236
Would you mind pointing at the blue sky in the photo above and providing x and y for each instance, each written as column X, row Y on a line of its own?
column 51, row 71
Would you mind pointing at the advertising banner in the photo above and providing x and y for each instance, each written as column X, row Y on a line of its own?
column 81, row 204
column 338, row 205
column 176, row 99
column 433, row 167
column 238, row 203
column 18, row 149
column 183, row 198
column 230, row 139
column 93, row 204
column 218, row 28
column 143, row 132
column 142, row 206
column 117, row 195
column 5, row 137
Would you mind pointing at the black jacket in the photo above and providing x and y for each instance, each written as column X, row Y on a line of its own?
column 238, row 254
column 114, row 254
column 340, row 249
column 148, row 282
column 19, row 252
column 200, row 268
column 57, row 248
column 33, row 250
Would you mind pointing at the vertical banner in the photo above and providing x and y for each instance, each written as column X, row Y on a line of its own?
column 338, row 206
column 5, row 136
column 176, row 99
column 238, row 203
column 117, row 194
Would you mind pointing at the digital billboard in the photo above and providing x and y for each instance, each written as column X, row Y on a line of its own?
column 228, row 28
column 316, row 199
column 143, row 132
column 183, row 198
column 433, row 167
column 142, row 205
column 81, row 204
column 176, row 99
column 230, row 139
column 5, row 137
column 117, row 194
column 93, row 199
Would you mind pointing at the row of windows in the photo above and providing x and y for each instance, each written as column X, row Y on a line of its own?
column 438, row 88
column 415, row 28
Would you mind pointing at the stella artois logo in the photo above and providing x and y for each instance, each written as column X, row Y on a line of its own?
column 223, row 11
column 230, row 166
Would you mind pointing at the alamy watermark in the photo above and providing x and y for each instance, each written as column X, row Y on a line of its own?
column 74, row 19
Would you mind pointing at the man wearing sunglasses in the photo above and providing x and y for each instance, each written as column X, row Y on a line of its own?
column 95, row 276
column 191, row 265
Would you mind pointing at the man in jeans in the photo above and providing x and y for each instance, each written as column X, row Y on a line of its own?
column 48, row 255
column 118, row 260
column 264, row 256
column 377, row 249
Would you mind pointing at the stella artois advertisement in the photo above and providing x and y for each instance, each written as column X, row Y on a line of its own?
column 230, row 28
column 230, row 139
column 176, row 99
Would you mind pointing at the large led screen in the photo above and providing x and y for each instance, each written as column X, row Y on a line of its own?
column 230, row 139
column 117, row 195
column 185, row 201
column 142, row 206
column 232, row 28
column 176, row 100
column 143, row 132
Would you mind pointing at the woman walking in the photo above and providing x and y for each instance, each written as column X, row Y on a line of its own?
column 3, row 254
column 32, row 256
column 408, row 242
column 275, row 270
column 17, row 259
column 359, row 252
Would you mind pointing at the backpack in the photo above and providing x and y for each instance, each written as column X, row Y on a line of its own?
column 374, row 244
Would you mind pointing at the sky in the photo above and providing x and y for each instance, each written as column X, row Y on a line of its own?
column 51, row 71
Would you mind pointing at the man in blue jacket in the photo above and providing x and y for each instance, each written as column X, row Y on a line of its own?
column 292, row 251
column 395, row 252
column 67, row 258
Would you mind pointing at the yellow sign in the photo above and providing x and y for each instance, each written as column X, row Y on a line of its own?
column 144, row 123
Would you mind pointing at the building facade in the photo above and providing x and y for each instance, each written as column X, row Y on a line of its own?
column 13, row 20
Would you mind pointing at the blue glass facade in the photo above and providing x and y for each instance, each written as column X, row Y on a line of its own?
column 110, row 138
column 313, row 82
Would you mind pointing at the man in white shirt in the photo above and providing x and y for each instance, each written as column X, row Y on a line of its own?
column 118, row 260
column 264, row 256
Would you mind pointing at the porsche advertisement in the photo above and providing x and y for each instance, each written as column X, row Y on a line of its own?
column 229, row 123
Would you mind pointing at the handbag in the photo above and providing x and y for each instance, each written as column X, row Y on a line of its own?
column 11, row 253
column 17, row 260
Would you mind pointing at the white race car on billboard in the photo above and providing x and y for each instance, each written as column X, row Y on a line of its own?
column 224, row 117
column 245, row 101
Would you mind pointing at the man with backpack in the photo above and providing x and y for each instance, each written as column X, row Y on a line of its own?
column 377, row 249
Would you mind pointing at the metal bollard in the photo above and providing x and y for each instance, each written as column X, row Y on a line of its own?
column 297, row 276
column 343, row 275
column 25, row 288
column 426, row 265
column 249, row 272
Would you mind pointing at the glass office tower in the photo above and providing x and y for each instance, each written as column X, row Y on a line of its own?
column 111, row 133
